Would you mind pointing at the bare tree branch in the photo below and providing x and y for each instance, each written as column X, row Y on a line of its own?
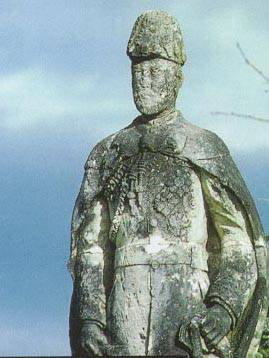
column 255, row 68
column 239, row 115
column 261, row 74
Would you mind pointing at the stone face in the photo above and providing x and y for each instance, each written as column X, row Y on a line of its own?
column 167, row 251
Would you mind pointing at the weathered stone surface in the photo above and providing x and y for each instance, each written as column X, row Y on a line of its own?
column 167, row 252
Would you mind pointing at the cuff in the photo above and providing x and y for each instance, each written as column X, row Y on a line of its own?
column 211, row 300
column 93, row 321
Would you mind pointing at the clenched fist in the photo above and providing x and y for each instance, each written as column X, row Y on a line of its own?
column 215, row 325
column 92, row 340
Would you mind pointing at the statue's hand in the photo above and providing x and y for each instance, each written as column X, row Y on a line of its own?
column 215, row 325
column 93, row 341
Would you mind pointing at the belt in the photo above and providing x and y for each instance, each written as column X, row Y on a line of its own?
column 173, row 253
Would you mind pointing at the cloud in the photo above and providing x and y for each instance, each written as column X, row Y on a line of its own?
column 30, row 96
column 216, row 77
column 201, row 98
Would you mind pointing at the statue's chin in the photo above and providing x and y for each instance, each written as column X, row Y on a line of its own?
column 148, row 112
column 149, row 109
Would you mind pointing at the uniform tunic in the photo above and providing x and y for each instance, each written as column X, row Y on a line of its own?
column 161, row 241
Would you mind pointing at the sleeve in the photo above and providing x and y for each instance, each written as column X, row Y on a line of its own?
column 89, row 282
column 235, row 281
column 90, row 258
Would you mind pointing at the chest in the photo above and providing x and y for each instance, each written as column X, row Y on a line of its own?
column 152, row 190
column 150, row 178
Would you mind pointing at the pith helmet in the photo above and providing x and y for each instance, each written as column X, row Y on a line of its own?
column 157, row 34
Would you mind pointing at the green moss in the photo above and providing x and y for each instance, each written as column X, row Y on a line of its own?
column 264, row 346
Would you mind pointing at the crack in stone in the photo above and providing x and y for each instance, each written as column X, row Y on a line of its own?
column 150, row 310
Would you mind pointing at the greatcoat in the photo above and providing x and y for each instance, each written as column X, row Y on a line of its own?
column 163, row 227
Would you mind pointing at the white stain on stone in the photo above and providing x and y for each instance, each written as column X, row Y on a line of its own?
column 92, row 251
column 156, row 243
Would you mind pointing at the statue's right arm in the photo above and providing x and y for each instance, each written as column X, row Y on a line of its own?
column 90, row 225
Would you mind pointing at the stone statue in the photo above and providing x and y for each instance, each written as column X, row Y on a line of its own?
column 167, row 254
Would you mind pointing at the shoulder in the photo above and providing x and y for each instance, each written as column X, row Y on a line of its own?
column 108, row 148
column 203, row 144
column 104, row 152
column 100, row 151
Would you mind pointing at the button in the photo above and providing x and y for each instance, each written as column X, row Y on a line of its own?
column 154, row 222
column 131, row 195
column 155, row 264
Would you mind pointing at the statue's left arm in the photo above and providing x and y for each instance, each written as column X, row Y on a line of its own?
column 234, row 284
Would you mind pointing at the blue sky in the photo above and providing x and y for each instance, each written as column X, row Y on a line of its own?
column 65, row 84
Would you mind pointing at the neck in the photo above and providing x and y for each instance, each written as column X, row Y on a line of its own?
column 165, row 114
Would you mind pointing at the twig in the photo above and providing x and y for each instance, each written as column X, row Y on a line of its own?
column 239, row 115
column 255, row 68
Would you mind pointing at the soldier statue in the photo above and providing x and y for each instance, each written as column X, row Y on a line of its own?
column 167, row 254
